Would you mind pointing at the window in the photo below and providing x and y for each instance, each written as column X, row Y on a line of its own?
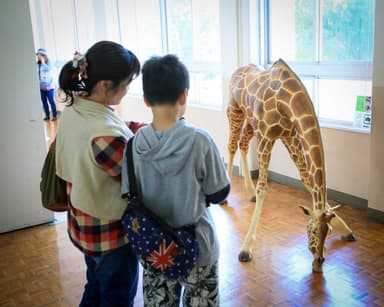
column 187, row 28
column 65, row 26
column 194, row 35
column 329, row 44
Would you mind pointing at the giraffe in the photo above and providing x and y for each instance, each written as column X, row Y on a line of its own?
column 274, row 105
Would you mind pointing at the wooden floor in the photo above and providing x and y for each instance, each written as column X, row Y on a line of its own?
column 40, row 267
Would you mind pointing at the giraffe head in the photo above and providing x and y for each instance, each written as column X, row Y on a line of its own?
column 318, row 229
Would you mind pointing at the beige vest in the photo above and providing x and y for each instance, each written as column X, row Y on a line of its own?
column 94, row 191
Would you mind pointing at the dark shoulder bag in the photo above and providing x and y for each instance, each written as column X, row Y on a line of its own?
column 172, row 251
column 53, row 189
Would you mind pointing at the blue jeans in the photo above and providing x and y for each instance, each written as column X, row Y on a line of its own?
column 48, row 96
column 112, row 279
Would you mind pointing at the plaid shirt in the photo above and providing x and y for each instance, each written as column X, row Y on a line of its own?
column 91, row 235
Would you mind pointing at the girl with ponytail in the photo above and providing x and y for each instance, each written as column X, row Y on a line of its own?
column 89, row 149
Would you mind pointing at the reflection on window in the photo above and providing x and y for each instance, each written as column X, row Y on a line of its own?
column 347, row 30
column 337, row 98
column 194, row 35
column 292, row 30
column 193, row 30
column 206, row 88
column 63, row 29
column 140, row 27
column 180, row 29
column 308, row 84
column 187, row 28
column 85, row 24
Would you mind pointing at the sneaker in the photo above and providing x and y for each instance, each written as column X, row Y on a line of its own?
column 46, row 118
column 53, row 119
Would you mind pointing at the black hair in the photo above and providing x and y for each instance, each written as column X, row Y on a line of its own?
column 106, row 60
column 164, row 79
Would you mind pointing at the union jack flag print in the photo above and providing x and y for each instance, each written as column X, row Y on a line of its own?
column 173, row 252
column 163, row 258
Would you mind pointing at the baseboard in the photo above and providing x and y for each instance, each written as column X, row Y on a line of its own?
column 375, row 215
column 353, row 201
column 344, row 198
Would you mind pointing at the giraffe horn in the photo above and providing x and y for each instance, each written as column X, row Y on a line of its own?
column 334, row 208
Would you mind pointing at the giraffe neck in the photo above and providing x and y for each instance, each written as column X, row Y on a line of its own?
column 304, row 120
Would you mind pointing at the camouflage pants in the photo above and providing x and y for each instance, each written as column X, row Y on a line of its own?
column 199, row 288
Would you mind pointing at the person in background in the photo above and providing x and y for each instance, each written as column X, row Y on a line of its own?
column 47, row 84
column 179, row 172
column 90, row 142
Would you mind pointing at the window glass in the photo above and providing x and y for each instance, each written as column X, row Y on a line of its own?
column 337, row 98
column 194, row 36
column 42, row 26
column 332, row 40
column 188, row 28
column 180, row 29
column 194, row 30
column 347, row 30
column 107, row 25
column 309, row 86
column 64, row 29
column 206, row 88
column 292, row 30
column 95, row 21
column 140, row 27
column 85, row 21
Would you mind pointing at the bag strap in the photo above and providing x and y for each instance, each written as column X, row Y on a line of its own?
column 131, row 169
column 133, row 192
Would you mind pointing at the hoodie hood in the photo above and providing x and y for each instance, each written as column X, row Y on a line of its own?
column 168, row 150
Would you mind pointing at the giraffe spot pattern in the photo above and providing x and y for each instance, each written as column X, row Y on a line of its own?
column 275, row 105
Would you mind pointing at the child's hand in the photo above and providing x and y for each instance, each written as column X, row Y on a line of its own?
column 40, row 59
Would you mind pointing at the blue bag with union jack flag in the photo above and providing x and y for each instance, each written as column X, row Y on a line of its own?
column 172, row 251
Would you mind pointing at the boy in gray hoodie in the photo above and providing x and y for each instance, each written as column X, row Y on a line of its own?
column 179, row 171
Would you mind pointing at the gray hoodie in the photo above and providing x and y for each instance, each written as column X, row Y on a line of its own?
column 175, row 170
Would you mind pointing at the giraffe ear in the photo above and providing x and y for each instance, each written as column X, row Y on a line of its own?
column 329, row 217
column 306, row 210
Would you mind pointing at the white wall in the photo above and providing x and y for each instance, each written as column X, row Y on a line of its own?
column 376, row 182
column 21, row 126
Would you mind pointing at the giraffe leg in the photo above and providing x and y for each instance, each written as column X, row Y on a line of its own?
column 246, row 137
column 264, row 155
column 236, row 118
column 294, row 147
column 245, row 253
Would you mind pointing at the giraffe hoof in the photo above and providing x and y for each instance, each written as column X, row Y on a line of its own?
column 253, row 199
column 317, row 270
column 245, row 256
column 349, row 237
column 224, row 202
